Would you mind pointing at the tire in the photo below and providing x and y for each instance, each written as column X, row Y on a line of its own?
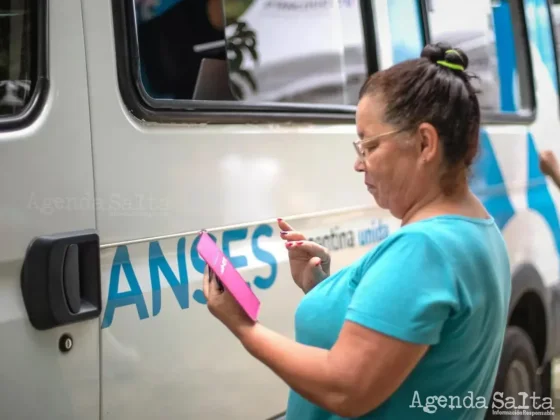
column 517, row 372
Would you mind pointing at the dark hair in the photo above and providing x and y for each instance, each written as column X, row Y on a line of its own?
column 423, row 90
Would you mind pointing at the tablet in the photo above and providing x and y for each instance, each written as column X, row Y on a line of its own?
column 228, row 275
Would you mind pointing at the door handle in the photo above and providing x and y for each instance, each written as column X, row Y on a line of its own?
column 61, row 279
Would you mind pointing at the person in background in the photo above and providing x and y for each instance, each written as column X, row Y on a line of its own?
column 424, row 313
column 166, row 46
column 549, row 166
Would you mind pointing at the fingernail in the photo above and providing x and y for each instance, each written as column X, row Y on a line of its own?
column 299, row 243
column 318, row 264
column 289, row 244
column 283, row 233
column 279, row 219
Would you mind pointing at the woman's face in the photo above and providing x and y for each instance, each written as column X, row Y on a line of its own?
column 392, row 162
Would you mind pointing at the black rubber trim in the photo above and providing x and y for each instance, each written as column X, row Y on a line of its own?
column 370, row 37
column 526, row 49
column 423, row 7
column 529, row 115
column 143, row 107
column 554, row 41
column 554, row 293
column 40, row 56
column 512, row 118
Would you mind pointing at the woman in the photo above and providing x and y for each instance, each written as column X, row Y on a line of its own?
column 166, row 44
column 422, row 315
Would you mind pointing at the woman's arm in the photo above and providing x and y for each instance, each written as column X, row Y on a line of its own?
column 549, row 166
column 396, row 312
column 359, row 373
column 555, row 176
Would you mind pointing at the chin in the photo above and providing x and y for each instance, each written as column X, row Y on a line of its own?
column 379, row 203
column 385, row 206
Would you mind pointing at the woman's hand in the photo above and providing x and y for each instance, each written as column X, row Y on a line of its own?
column 548, row 163
column 223, row 305
column 309, row 261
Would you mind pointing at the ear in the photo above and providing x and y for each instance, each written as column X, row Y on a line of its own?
column 428, row 145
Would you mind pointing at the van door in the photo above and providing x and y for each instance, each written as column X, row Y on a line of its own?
column 49, row 368
column 172, row 155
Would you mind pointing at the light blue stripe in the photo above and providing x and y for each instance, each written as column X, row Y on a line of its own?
column 489, row 185
column 505, row 49
column 540, row 33
column 406, row 29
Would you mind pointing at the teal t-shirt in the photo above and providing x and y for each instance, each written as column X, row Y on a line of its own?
column 443, row 281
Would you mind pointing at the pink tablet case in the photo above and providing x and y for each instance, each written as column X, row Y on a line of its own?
column 228, row 275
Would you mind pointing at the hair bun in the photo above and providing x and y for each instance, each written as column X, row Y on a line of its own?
column 445, row 52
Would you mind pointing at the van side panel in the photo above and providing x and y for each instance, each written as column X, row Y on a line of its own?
column 47, row 188
column 161, row 348
column 156, row 186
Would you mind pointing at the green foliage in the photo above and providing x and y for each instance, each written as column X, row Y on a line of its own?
column 235, row 8
column 243, row 40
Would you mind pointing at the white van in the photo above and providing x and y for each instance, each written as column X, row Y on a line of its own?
column 126, row 126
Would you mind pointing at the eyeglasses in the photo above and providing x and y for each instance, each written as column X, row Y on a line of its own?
column 359, row 142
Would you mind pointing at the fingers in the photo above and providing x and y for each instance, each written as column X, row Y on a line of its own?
column 311, row 248
column 548, row 163
column 214, row 286
column 292, row 236
column 314, row 274
column 288, row 233
column 284, row 226
column 547, row 156
column 210, row 285
column 206, row 283
column 316, row 269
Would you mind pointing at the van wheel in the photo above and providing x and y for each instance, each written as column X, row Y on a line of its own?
column 517, row 373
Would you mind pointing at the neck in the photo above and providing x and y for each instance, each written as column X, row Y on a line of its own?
column 435, row 203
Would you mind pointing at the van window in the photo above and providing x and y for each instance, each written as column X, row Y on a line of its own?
column 275, row 51
column 555, row 17
column 493, row 35
column 18, row 55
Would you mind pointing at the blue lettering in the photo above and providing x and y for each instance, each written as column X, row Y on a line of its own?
column 132, row 297
column 230, row 236
column 199, row 265
column 197, row 262
column 373, row 234
column 179, row 282
column 362, row 237
column 198, row 295
column 179, row 286
column 264, row 256
column 235, row 235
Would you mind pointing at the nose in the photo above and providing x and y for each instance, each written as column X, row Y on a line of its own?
column 359, row 165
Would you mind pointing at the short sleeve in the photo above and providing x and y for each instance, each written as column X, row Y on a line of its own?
column 407, row 290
